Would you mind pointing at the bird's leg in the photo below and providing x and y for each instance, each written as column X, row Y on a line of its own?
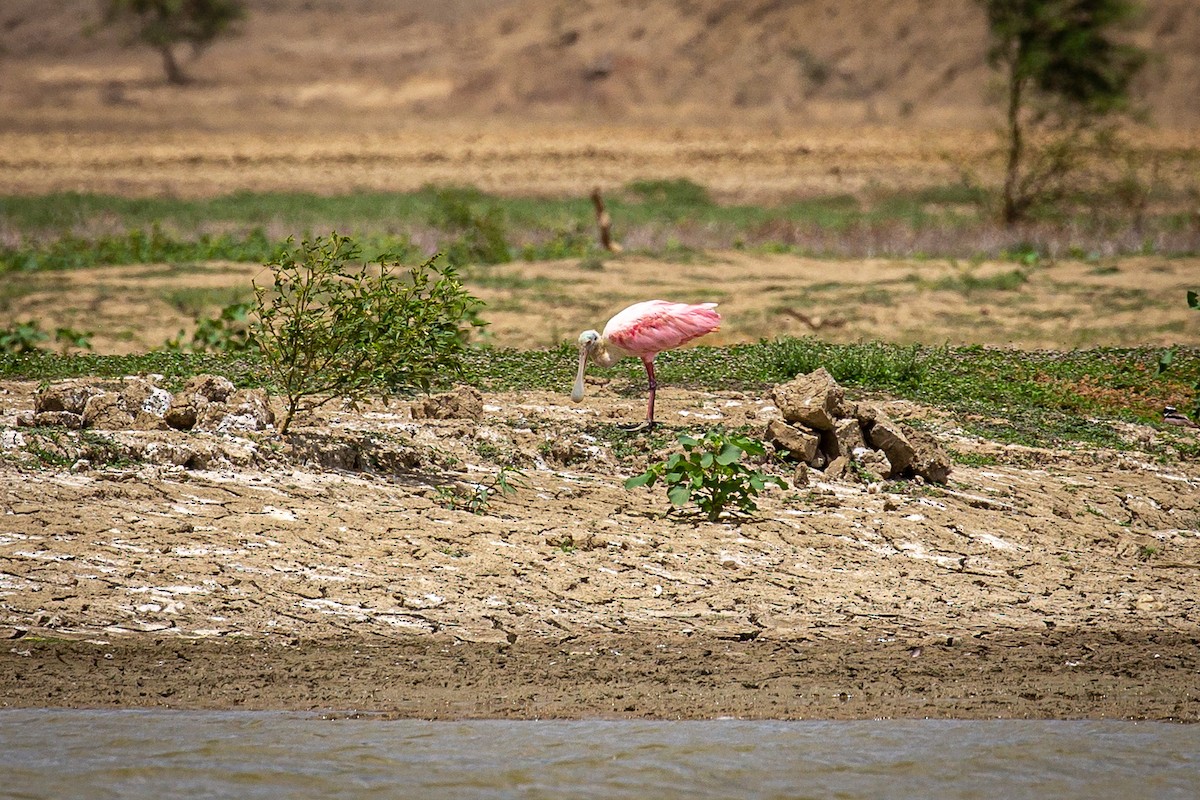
column 653, row 385
column 649, row 422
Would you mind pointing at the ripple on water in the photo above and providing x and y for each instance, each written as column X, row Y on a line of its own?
column 53, row 753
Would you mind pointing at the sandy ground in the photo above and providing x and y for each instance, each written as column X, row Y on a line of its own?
column 332, row 571
column 1120, row 302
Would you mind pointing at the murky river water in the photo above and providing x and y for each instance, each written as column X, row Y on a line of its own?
column 161, row 754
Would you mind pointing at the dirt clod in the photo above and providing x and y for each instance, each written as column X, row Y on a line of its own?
column 464, row 402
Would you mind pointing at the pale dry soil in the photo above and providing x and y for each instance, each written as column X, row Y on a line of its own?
column 325, row 571
column 330, row 570
column 1123, row 302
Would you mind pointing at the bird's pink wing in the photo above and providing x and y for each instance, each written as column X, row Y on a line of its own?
column 657, row 325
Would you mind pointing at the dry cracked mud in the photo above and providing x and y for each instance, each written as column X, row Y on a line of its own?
column 342, row 569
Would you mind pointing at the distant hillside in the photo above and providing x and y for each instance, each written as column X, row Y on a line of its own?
column 809, row 59
column 783, row 62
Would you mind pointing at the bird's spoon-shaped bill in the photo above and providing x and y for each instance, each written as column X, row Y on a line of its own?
column 577, row 392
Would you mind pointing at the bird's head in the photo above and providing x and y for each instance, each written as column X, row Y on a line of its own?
column 588, row 343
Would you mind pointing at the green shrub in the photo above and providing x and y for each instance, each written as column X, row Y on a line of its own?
column 482, row 236
column 27, row 337
column 671, row 193
column 710, row 474
column 24, row 337
column 228, row 332
column 331, row 327
column 1167, row 357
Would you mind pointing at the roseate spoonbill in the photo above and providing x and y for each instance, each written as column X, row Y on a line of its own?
column 644, row 330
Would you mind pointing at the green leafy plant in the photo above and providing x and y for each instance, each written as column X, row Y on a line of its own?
column 478, row 498
column 24, row 337
column 27, row 337
column 710, row 474
column 228, row 332
column 1167, row 357
column 331, row 327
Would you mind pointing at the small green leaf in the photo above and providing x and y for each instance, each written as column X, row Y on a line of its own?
column 750, row 446
column 729, row 454
column 706, row 460
column 679, row 495
column 1193, row 300
column 646, row 478
column 1164, row 361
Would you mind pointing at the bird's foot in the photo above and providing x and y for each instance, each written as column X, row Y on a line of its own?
column 644, row 425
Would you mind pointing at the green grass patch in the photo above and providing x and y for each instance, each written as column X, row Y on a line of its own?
column 469, row 226
column 175, row 367
column 195, row 300
column 972, row 459
column 967, row 283
column 1036, row 398
column 138, row 246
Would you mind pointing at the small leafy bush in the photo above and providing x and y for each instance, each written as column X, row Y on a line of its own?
column 673, row 193
column 482, row 234
column 478, row 499
column 329, row 326
column 228, row 332
column 1167, row 357
column 710, row 474
column 27, row 337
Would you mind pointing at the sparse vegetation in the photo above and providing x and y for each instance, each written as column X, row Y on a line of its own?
column 27, row 337
column 709, row 473
column 330, row 327
column 477, row 498
column 166, row 24
column 1167, row 358
column 1147, row 552
column 474, row 228
column 228, row 332
column 968, row 283
column 1065, row 72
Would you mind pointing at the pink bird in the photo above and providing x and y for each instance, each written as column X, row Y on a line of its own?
column 644, row 330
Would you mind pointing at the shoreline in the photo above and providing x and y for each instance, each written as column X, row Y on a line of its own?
column 1073, row 674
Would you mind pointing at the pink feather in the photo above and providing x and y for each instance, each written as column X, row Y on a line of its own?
column 646, row 329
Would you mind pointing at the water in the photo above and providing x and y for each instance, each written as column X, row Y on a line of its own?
column 160, row 754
